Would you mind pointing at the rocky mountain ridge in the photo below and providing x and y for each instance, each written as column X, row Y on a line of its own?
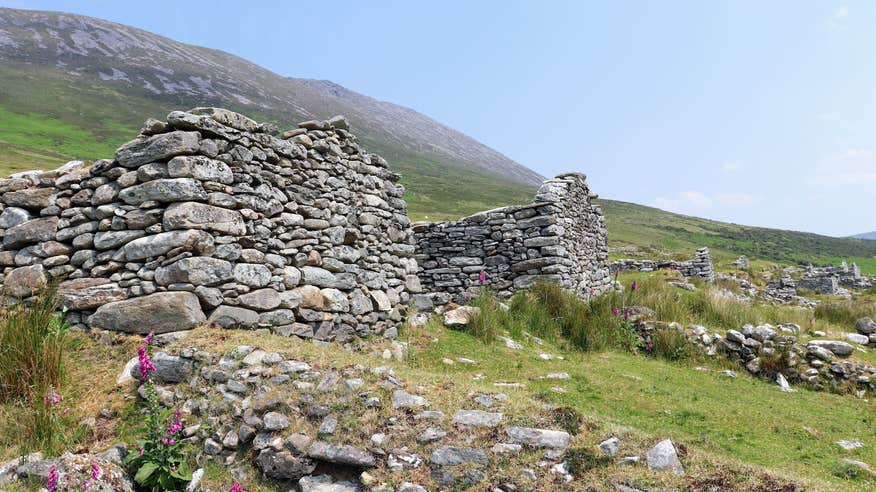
column 148, row 65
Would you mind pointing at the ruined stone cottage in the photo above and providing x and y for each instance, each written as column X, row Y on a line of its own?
column 212, row 217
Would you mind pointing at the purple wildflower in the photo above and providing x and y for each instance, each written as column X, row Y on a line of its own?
column 95, row 470
column 52, row 397
column 634, row 286
column 235, row 487
column 146, row 365
column 482, row 277
column 148, row 339
column 626, row 314
column 616, row 312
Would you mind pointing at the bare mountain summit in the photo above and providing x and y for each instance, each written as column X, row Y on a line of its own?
column 98, row 53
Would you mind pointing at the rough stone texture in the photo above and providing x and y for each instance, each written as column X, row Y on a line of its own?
column 560, row 237
column 212, row 216
column 699, row 266
column 663, row 457
column 158, row 313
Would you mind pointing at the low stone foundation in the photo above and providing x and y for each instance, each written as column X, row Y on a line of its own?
column 699, row 266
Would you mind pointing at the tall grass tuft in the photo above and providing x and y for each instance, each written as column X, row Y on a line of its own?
column 844, row 313
column 32, row 339
column 670, row 344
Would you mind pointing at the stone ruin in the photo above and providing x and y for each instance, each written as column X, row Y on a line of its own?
column 559, row 237
column 212, row 217
column 699, row 266
column 828, row 280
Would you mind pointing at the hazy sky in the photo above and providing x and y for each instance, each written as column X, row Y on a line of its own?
column 756, row 112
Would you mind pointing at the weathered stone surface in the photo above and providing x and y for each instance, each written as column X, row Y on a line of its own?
column 838, row 348
column 477, row 418
column 539, row 438
column 403, row 399
column 25, row 281
column 865, row 326
column 234, row 317
column 89, row 293
column 197, row 270
column 201, row 168
column 12, row 216
column 194, row 215
column 283, row 465
column 29, row 198
column 453, row 456
column 168, row 368
column 159, row 313
column 663, row 457
column 164, row 190
column 114, row 239
column 157, row 147
column 461, row 316
column 341, row 455
column 156, row 245
column 261, row 300
column 30, row 232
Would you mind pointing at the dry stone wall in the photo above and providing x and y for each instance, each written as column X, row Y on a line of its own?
column 210, row 216
column 560, row 237
column 699, row 266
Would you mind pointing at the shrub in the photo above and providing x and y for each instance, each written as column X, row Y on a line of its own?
column 569, row 419
column 776, row 363
column 670, row 344
column 159, row 463
column 32, row 339
column 582, row 460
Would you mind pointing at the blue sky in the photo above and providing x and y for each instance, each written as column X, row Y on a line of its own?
column 753, row 112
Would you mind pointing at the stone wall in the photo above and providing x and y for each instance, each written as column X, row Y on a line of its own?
column 699, row 266
column 560, row 237
column 210, row 216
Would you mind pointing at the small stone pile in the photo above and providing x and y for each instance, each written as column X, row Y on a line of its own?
column 820, row 363
column 210, row 216
column 560, row 237
column 699, row 266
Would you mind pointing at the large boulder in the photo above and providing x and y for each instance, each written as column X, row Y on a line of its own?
column 157, row 147
column 25, row 281
column 866, row 326
column 840, row 349
column 194, row 215
column 234, row 317
column 30, row 232
column 164, row 190
column 159, row 313
column 341, row 455
column 538, row 438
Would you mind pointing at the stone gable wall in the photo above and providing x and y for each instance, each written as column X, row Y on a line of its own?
column 209, row 216
column 560, row 237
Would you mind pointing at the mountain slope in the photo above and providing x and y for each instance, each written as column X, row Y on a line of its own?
column 81, row 86
column 658, row 232
column 866, row 235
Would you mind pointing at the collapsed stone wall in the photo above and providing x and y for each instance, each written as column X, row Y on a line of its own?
column 559, row 237
column 210, row 216
column 700, row 265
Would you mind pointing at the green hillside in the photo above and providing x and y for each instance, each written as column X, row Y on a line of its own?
column 657, row 232
column 48, row 118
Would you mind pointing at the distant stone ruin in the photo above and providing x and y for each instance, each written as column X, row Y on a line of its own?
column 210, row 217
column 828, row 280
column 699, row 266
column 559, row 237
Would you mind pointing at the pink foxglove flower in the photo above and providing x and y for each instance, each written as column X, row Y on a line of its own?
column 482, row 277
column 235, row 487
column 52, row 482
column 146, row 365
column 95, row 470
column 634, row 286
column 148, row 339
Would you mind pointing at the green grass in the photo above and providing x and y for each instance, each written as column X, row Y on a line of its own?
column 657, row 232
column 744, row 419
